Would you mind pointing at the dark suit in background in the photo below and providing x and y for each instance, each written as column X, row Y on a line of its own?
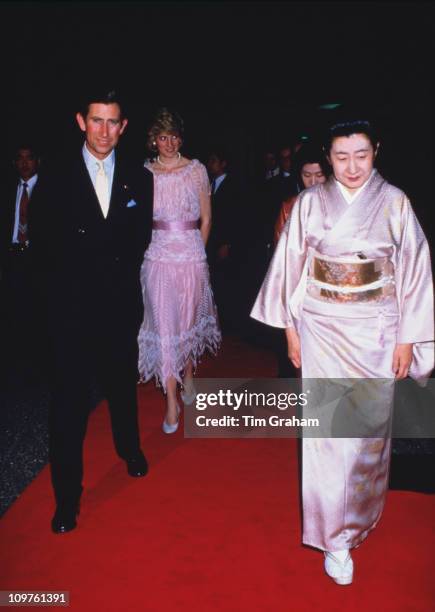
column 21, row 348
column 223, row 249
column 7, row 214
column 276, row 191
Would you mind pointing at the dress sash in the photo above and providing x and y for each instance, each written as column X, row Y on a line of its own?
column 175, row 225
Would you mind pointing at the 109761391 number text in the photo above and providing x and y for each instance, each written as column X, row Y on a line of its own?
column 34, row 598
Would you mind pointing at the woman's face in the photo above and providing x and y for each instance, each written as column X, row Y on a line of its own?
column 352, row 158
column 168, row 144
column 312, row 174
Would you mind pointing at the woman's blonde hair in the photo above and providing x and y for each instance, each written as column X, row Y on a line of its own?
column 164, row 120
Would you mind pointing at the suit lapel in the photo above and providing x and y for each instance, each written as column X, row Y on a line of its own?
column 86, row 198
column 219, row 194
column 12, row 201
column 117, row 190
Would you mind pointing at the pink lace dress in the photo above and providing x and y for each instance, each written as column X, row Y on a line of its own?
column 180, row 317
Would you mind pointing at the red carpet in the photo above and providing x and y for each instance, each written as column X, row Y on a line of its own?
column 214, row 526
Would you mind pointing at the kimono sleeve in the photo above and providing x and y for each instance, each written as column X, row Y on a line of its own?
column 415, row 294
column 279, row 297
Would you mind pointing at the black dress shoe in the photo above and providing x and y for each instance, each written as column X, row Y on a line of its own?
column 64, row 519
column 137, row 466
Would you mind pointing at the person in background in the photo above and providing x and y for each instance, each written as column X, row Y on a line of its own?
column 20, row 339
column 278, row 189
column 222, row 246
column 311, row 169
column 270, row 164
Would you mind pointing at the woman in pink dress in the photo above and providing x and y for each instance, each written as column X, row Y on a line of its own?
column 180, row 318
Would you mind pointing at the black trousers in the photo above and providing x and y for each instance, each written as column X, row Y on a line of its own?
column 22, row 349
column 102, row 350
column 223, row 278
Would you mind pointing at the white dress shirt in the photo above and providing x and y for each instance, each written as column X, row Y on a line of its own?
column 92, row 164
column 271, row 173
column 30, row 185
column 218, row 181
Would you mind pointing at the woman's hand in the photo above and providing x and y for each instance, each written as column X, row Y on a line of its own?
column 402, row 358
column 293, row 346
column 205, row 216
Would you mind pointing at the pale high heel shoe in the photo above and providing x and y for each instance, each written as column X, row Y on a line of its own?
column 188, row 398
column 168, row 429
column 339, row 566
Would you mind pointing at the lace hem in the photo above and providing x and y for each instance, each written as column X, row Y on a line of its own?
column 168, row 356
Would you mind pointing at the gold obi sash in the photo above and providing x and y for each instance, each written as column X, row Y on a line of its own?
column 350, row 279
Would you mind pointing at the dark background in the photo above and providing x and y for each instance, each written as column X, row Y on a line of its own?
column 240, row 73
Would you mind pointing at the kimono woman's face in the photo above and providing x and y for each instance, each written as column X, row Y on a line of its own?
column 352, row 159
column 312, row 174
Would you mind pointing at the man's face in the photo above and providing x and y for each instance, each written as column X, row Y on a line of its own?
column 352, row 158
column 216, row 166
column 285, row 159
column 103, row 127
column 270, row 161
column 26, row 164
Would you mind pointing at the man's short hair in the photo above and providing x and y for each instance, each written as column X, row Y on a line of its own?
column 25, row 146
column 101, row 96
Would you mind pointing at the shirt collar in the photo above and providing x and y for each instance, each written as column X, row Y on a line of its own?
column 31, row 182
column 218, row 181
column 91, row 160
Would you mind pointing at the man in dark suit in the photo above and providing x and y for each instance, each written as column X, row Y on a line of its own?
column 26, row 164
column 279, row 188
column 222, row 245
column 19, row 332
column 90, row 224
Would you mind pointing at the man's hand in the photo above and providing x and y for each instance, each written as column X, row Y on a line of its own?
column 293, row 346
column 402, row 358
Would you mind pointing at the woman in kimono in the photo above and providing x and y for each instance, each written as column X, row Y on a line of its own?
column 351, row 283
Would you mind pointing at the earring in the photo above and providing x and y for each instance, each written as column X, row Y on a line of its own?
column 154, row 144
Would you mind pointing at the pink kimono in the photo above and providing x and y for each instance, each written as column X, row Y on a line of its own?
column 354, row 280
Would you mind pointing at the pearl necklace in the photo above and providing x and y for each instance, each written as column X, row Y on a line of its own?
column 168, row 165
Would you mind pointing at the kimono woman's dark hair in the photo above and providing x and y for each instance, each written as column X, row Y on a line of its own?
column 347, row 128
column 310, row 153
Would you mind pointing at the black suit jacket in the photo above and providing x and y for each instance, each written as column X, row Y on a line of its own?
column 8, row 199
column 269, row 198
column 85, row 264
column 280, row 188
column 226, row 206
